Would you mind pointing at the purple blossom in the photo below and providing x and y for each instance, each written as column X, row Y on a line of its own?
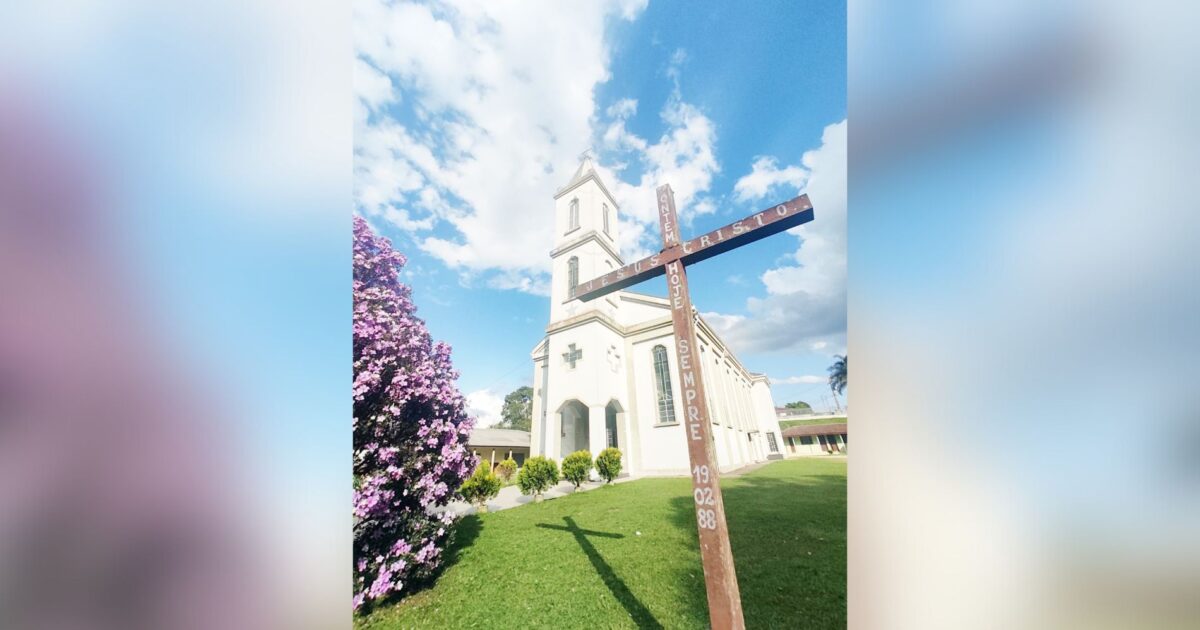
column 410, row 429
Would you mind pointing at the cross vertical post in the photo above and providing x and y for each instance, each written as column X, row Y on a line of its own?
column 716, row 555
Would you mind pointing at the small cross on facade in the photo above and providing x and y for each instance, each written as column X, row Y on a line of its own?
column 572, row 355
column 614, row 359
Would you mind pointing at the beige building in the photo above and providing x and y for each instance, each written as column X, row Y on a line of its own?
column 815, row 439
column 497, row 445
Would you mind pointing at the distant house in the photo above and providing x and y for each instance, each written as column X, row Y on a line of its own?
column 496, row 445
column 815, row 439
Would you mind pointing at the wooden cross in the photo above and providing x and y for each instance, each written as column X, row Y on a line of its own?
column 724, row 599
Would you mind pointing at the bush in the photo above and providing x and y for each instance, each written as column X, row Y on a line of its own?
column 480, row 486
column 575, row 467
column 506, row 469
column 410, row 430
column 538, row 475
column 608, row 464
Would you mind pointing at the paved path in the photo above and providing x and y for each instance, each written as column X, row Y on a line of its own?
column 511, row 497
column 746, row 469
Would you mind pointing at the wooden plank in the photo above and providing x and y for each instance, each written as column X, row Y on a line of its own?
column 757, row 226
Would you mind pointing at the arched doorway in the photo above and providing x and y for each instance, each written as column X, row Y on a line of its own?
column 573, row 434
column 613, row 433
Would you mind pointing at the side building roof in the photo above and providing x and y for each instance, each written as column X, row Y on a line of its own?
column 499, row 437
column 815, row 429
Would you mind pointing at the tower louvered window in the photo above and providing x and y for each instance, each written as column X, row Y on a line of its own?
column 572, row 275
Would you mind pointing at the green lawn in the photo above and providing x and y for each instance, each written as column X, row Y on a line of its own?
column 784, row 424
column 578, row 561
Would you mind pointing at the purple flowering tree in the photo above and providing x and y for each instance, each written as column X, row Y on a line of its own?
column 410, row 429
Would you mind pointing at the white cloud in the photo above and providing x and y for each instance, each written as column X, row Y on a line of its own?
column 528, row 283
column 485, row 405
column 684, row 156
column 623, row 108
column 371, row 86
column 805, row 305
column 799, row 380
column 765, row 176
column 505, row 96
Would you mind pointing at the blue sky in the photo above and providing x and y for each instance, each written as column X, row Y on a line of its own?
column 462, row 139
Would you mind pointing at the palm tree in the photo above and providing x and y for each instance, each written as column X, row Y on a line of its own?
column 837, row 378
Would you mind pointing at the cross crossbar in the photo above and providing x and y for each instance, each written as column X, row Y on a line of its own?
column 757, row 226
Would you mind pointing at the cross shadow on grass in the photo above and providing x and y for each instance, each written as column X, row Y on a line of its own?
column 636, row 609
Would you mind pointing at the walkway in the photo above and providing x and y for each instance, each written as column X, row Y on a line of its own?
column 511, row 497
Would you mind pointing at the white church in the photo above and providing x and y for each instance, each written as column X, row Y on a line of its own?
column 605, row 373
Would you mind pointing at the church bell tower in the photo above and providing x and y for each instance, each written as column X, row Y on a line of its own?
column 585, row 239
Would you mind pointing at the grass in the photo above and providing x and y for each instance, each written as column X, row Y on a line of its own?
column 784, row 424
column 579, row 562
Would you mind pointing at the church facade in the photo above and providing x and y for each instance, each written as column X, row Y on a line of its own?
column 605, row 373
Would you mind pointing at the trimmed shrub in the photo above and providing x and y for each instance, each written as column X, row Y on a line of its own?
column 575, row 467
column 537, row 476
column 482, row 485
column 506, row 469
column 608, row 464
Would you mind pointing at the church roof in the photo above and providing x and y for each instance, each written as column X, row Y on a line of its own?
column 585, row 168
column 815, row 429
column 586, row 171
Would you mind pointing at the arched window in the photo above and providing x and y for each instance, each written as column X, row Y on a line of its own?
column 572, row 276
column 662, row 383
column 574, row 216
column 606, row 219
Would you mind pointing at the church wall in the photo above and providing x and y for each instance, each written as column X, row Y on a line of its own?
column 633, row 450
column 727, row 433
column 593, row 261
column 612, row 363
column 634, row 311
column 538, row 425
column 742, row 392
column 764, row 411
column 664, row 446
column 738, row 429
column 597, row 378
